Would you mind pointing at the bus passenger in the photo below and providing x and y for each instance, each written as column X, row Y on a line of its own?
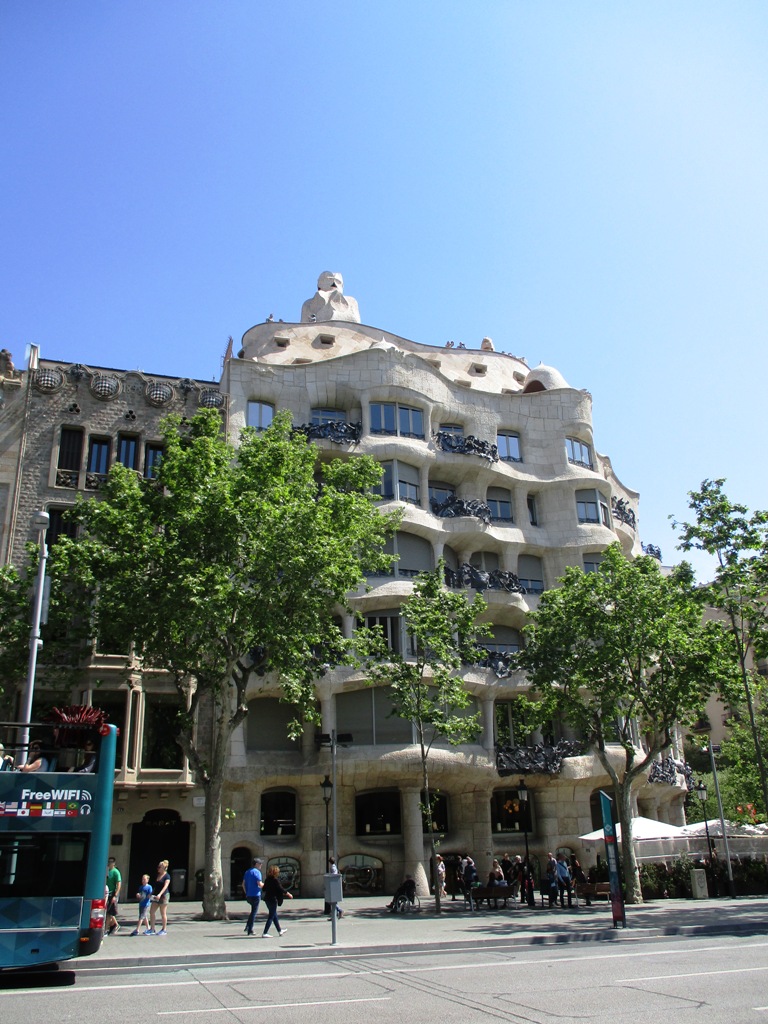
column 35, row 760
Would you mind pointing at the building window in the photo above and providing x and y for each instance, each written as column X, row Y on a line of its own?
column 533, row 512
column 390, row 625
column 592, row 561
column 485, row 561
column 128, row 450
column 98, row 455
column 452, row 428
column 393, row 419
column 153, row 453
column 321, row 416
column 59, row 526
column 509, row 447
column 499, row 501
column 278, row 813
column 439, row 804
column 503, row 640
column 70, row 451
column 579, row 453
column 440, row 492
column 160, row 749
column 530, row 573
column 592, row 507
column 509, row 732
column 407, row 478
column 368, row 715
column 378, row 813
column 260, row 415
column 267, row 725
column 509, row 813
column 415, row 555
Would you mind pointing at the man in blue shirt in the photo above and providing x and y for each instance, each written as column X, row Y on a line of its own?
column 252, row 886
column 564, row 881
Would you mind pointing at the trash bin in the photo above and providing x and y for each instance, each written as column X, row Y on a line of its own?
column 179, row 882
column 699, row 884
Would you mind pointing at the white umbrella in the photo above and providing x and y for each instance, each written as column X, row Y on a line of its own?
column 642, row 828
column 699, row 828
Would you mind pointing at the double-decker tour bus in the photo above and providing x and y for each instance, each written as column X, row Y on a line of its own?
column 54, row 840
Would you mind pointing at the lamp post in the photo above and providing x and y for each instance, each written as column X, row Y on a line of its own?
column 332, row 739
column 41, row 521
column 327, row 787
column 522, row 792
column 714, row 748
column 701, row 793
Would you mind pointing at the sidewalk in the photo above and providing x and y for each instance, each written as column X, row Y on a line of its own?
column 367, row 927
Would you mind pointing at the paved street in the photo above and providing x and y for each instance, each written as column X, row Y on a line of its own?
column 675, row 959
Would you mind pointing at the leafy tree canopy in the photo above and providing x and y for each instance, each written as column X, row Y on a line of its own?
column 230, row 562
column 625, row 652
column 427, row 688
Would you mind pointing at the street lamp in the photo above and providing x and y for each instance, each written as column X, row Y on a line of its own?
column 332, row 739
column 41, row 521
column 327, row 787
column 522, row 793
column 714, row 748
column 701, row 793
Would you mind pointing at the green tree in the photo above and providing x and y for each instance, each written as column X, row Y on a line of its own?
column 739, row 542
column 15, row 611
column 426, row 688
column 229, row 563
column 621, row 650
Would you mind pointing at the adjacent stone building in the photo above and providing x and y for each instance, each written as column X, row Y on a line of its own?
column 497, row 470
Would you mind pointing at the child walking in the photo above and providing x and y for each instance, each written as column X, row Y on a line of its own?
column 144, row 896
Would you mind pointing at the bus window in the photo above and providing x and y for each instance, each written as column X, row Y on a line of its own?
column 42, row 865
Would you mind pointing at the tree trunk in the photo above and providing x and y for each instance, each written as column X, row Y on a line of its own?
column 214, row 904
column 633, row 892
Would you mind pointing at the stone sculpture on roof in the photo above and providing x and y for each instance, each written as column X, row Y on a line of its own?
column 329, row 302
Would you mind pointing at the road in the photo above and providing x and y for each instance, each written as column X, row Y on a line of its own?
column 703, row 980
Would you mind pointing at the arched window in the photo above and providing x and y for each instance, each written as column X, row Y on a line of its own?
column 267, row 725
column 278, row 813
column 377, row 813
column 362, row 874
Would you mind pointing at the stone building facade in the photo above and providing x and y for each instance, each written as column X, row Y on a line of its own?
column 496, row 469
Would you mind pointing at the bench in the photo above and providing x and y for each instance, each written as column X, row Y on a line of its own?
column 593, row 890
column 480, row 893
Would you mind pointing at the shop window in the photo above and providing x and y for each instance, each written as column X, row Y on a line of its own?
column 439, row 804
column 509, row 813
column 377, row 813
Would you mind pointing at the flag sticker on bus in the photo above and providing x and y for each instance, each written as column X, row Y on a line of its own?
column 61, row 803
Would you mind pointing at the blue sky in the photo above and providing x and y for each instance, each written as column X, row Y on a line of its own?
column 585, row 182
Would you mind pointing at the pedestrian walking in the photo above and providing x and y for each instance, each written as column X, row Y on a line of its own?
column 161, row 898
column 114, row 884
column 252, row 884
column 144, row 896
column 273, row 895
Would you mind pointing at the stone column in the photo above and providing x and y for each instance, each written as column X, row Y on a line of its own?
column 486, row 707
column 413, row 839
